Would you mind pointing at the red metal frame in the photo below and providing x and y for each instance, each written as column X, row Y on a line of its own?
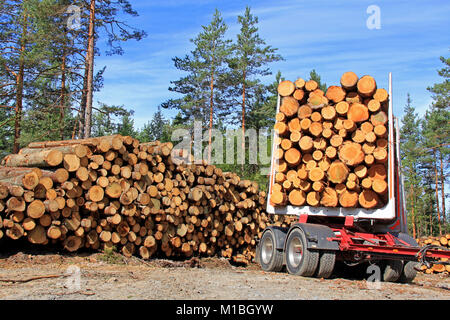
column 385, row 244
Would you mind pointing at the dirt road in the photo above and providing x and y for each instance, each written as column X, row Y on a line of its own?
column 96, row 276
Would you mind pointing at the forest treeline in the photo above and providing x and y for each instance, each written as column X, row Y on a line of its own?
column 48, row 80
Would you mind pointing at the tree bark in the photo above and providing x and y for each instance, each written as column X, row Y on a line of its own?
column 437, row 191
column 211, row 111
column 20, row 87
column 63, row 97
column 243, row 121
column 90, row 74
column 413, row 218
column 444, row 219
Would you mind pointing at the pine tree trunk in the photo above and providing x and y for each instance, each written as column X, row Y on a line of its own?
column 211, row 110
column 243, row 121
column 437, row 191
column 19, row 92
column 63, row 97
column 413, row 218
column 90, row 72
column 444, row 219
column 82, row 111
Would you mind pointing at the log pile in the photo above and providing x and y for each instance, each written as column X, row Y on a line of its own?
column 442, row 241
column 114, row 192
column 332, row 147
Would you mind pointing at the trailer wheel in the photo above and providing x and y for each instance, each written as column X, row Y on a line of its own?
column 326, row 264
column 393, row 270
column 299, row 259
column 409, row 272
column 269, row 257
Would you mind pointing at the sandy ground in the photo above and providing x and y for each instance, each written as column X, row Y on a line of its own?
column 89, row 276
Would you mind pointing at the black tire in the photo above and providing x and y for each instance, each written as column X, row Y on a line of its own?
column 409, row 272
column 269, row 257
column 300, row 260
column 393, row 270
column 327, row 261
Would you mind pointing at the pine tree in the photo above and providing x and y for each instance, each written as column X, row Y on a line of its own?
column 251, row 55
column 156, row 129
column 102, row 15
column 202, row 86
column 411, row 151
column 439, row 131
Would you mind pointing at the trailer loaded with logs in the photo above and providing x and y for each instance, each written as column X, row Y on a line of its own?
column 137, row 198
column 336, row 165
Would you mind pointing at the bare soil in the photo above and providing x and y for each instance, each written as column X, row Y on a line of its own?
column 99, row 276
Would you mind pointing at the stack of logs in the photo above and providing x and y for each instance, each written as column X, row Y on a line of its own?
column 442, row 241
column 332, row 147
column 114, row 192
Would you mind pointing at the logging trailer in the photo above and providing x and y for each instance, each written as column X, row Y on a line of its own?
column 325, row 235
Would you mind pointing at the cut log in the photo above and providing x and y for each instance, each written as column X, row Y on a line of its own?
column 374, row 105
column 351, row 154
column 338, row 172
column 381, row 95
column 380, row 118
column 349, row 80
column 281, row 128
column 313, row 198
column 342, row 108
column 294, row 125
column 289, row 106
column 328, row 113
column 311, row 85
column 299, row 94
column 316, row 174
column 72, row 243
column 367, row 86
column 368, row 199
column 297, row 198
column 278, row 197
column 379, row 186
column 329, row 198
column 316, row 129
column 377, row 171
column 380, row 154
column 47, row 158
column 299, row 83
column 358, row 112
column 292, row 157
column 336, row 94
column 71, row 162
column 306, row 144
column 37, row 235
column 304, row 112
column 348, row 199
column 36, row 209
column 286, row 88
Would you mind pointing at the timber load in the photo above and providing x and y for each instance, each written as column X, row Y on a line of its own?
column 442, row 242
column 332, row 146
column 137, row 198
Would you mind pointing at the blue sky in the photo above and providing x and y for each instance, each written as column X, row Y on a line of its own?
column 323, row 35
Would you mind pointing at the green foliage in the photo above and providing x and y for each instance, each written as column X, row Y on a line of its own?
column 205, row 67
column 248, row 62
column 156, row 129
column 111, row 256
column 313, row 75
column 109, row 120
